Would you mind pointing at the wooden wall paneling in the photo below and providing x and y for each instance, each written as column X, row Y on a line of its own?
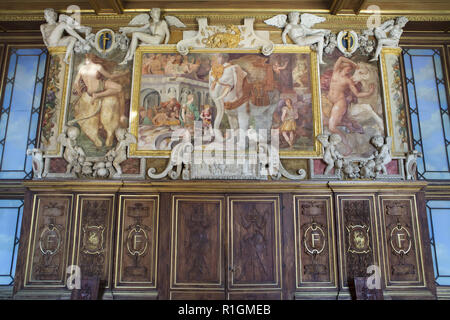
column 137, row 242
column 315, row 253
column 197, row 238
column 25, row 229
column 255, row 295
column 357, row 238
column 93, row 240
column 49, row 240
column 400, row 237
column 426, row 242
column 288, row 246
column 403, row 247
column 254, row 248
column 164, row 256
column 197, row 295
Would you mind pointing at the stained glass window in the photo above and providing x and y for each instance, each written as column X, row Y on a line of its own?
column 19, row 113
column 429, row 112
column 439, row 224
column 10, row 223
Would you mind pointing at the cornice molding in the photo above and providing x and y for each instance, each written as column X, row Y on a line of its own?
column 333, row 22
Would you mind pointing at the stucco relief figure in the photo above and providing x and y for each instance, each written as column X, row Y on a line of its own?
column 331, row 156
column 54, row 32
column 411, row 164
column 298, row 28
column 118, row 154
column 37, row 161
column 388, row 34
column 151, row 33
column 382, row 155
column 73, row 154
column 100, row 101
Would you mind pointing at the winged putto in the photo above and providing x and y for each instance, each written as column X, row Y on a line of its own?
column 152, row 32
column 299, row 29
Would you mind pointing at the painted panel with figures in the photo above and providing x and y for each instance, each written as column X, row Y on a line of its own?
column 224, row 91
column 351, row 102
column 99, row 100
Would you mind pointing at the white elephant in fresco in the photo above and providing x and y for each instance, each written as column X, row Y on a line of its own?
column 236, row 97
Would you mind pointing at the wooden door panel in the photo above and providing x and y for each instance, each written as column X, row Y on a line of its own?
column 314, row 241
column 401, row 241
column 137, row 242
column 255, row 295
column 48, row 250
column 93, row 241
column 197, row 242
column 197, row 295
column 358, row 237
column 254, row 253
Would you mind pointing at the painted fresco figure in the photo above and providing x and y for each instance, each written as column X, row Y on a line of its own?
column 235, row 96
column 289, row 115
column 101, row 100
column 341, row 80
column 189, row 113
column 53, row 32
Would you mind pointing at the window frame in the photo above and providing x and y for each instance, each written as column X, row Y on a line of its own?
column 5, row 59
column 14, row 189
column 444, row 54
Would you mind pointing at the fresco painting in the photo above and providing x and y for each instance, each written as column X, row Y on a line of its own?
column 223, row 91
column 99, row 101
column 351, row 102
column 53, row 114
column 395, row 103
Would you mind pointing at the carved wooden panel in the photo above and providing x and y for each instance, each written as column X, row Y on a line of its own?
column 314, row 242
column 255, row 295
column 197, row 295
column 48, row 247
column 137, row 242
column 93, row 239
column 401, row 241
column 254, row 255
column 358, row 241
column 197, row 242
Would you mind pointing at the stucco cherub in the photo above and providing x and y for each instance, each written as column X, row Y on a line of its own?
column 118, row 154
column 37, row 161
column 383, row 154
column 331, row 156
column 388, row 34
column 298, row 28
column 72, row 152
column 53, row 32
column 152, row 33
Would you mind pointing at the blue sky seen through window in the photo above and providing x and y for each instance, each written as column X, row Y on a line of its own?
column 20, row 111
column 429, row 111
column 439, row 224
column 10, row 223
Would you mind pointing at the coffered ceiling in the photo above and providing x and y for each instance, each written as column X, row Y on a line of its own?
column 437, row 7
column 16, row 15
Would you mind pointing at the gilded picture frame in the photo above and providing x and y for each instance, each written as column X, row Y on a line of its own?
column 313, row 149
column 394, row 101
column 55, row 103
